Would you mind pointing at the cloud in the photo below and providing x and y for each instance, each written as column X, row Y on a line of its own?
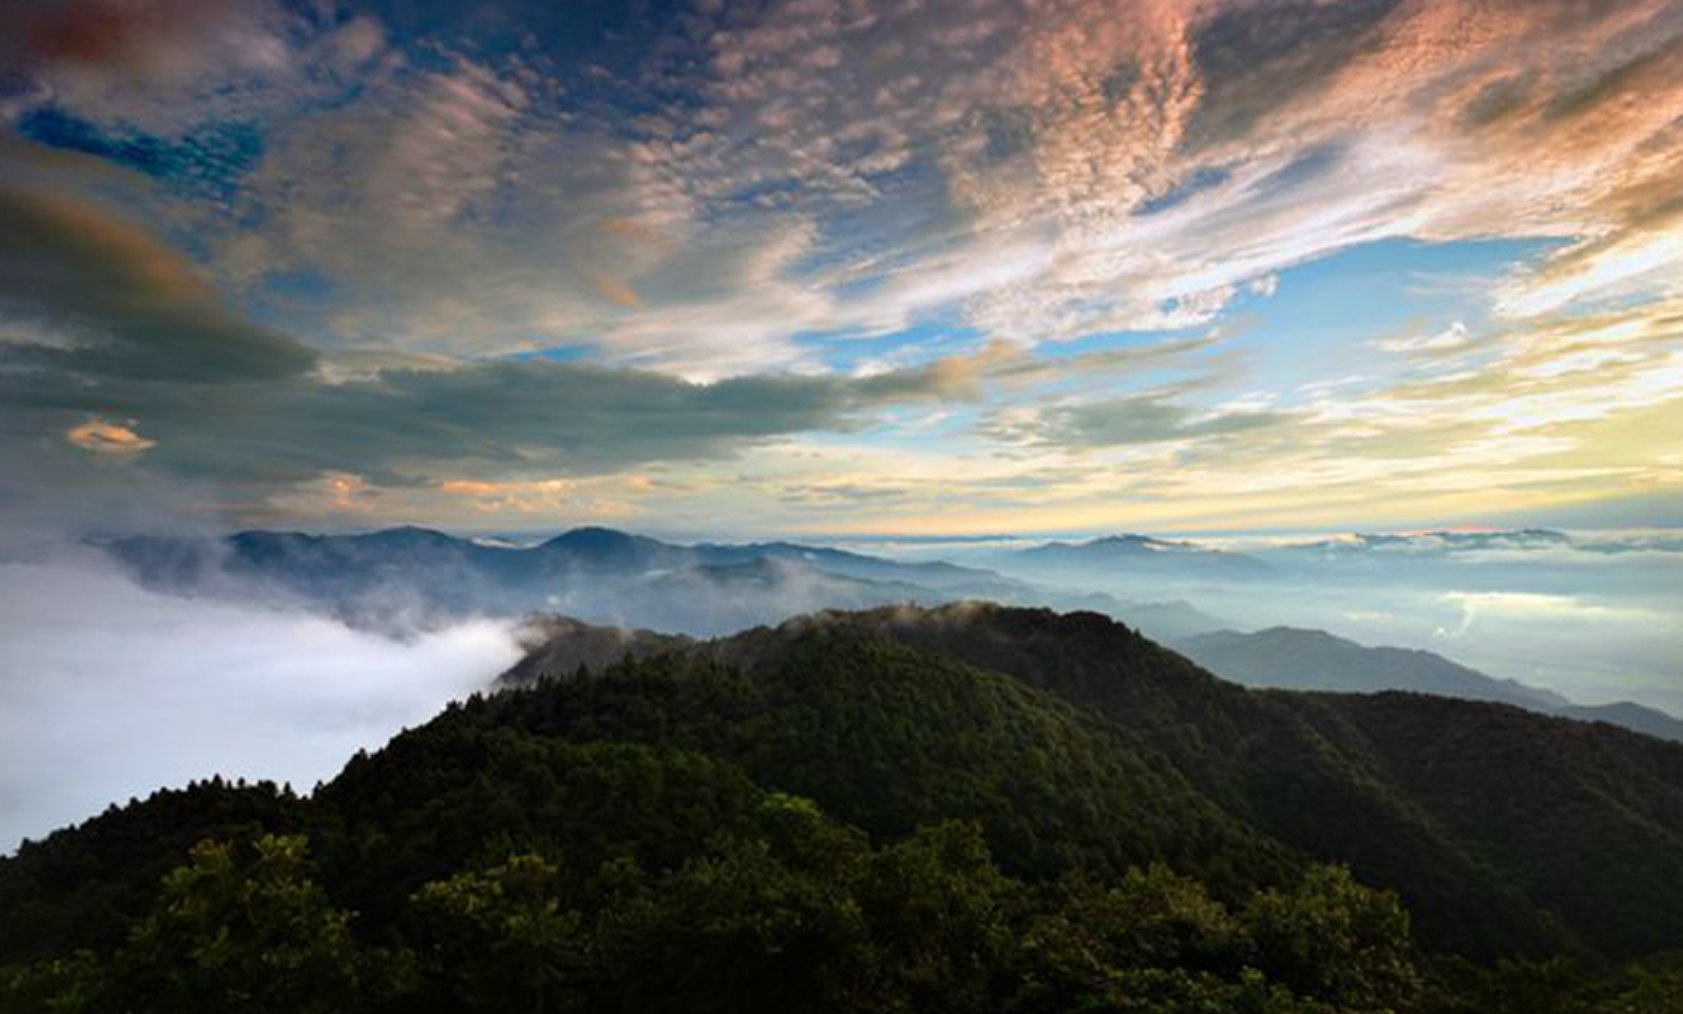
column 1138, row 419
column 108, row 691
column 131, row 306
column 779, row 194
column 973, row 157
column 160, row 67
column 1452, row 337
column 250, row 448
column 103, row 437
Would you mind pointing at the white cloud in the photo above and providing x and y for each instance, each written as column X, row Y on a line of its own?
column 109, row 691
column 1452, row 337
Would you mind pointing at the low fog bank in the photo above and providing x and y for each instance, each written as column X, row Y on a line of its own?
column 108, row 690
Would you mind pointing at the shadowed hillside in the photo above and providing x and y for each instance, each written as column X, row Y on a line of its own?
column 965, row 808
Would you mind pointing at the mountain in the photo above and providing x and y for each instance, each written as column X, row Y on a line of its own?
column 606, row 549
column 1323, row 774
column 1160, row 621
column 1293, row 658
column 1137, row 555
column 559, row 646
column 1630, row 715
column 403, row 578
column 1438, row 543
column 955, row 809
column 1296, row 659
column 935, row 575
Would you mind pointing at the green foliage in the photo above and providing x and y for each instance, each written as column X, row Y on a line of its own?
column 498, row 940
column 1647, row 988
column 854, row 815
column 245, row 929
column 1090, row 944
column 80, row 887
column 73, row 984
column 1330, row 937
column 939, row 911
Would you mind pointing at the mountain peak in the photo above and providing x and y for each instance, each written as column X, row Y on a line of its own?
column 592, row 535
column 595, row 540
column 1302, row 635
column 408, row 535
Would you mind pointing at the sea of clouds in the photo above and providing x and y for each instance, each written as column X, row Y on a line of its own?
column 108, row 690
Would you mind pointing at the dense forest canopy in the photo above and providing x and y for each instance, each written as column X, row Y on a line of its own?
column 963, row 809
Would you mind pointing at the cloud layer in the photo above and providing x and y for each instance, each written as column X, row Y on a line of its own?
column 257, row 258
column 111, row 691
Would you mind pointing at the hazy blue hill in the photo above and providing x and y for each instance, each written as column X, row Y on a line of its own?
column 936, row 574
column 1637, row 717
column 1161, row 621
column 1296, row 659
column 403, row 578
column 1437, row 543
column 607, row 549
column 1139, row 555
column 724, row 598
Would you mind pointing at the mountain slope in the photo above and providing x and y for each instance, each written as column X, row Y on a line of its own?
column 1075, row 746
column 888, row 737
column 1292, row 658
column 1313, row 772
column 1635, row 717
column 1295, row 659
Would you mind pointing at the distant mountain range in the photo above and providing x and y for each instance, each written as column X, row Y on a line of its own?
column 1437, row 542
column 1260, row 559
column 1295, row 659
column 403, row 579
column 1137, row 555
column 406, row 578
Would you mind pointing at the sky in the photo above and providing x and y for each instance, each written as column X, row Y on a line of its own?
column 825, row 266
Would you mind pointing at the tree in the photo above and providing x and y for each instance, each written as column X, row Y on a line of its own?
column 246, row 931
column 1335, row 940
column 499, row 940
column 938, row 910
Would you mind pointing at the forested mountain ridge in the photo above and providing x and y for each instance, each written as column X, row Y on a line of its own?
column 1319, row 772
column 959, row 809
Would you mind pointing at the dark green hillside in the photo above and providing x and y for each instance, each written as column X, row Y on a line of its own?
column 1585, row 819
column 79, row 886
column 889, row 738
column 1487, row 847
column 958, row 810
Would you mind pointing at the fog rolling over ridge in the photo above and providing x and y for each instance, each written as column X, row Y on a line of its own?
column 109, row 690
column 153, row 661
column 405, row 579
